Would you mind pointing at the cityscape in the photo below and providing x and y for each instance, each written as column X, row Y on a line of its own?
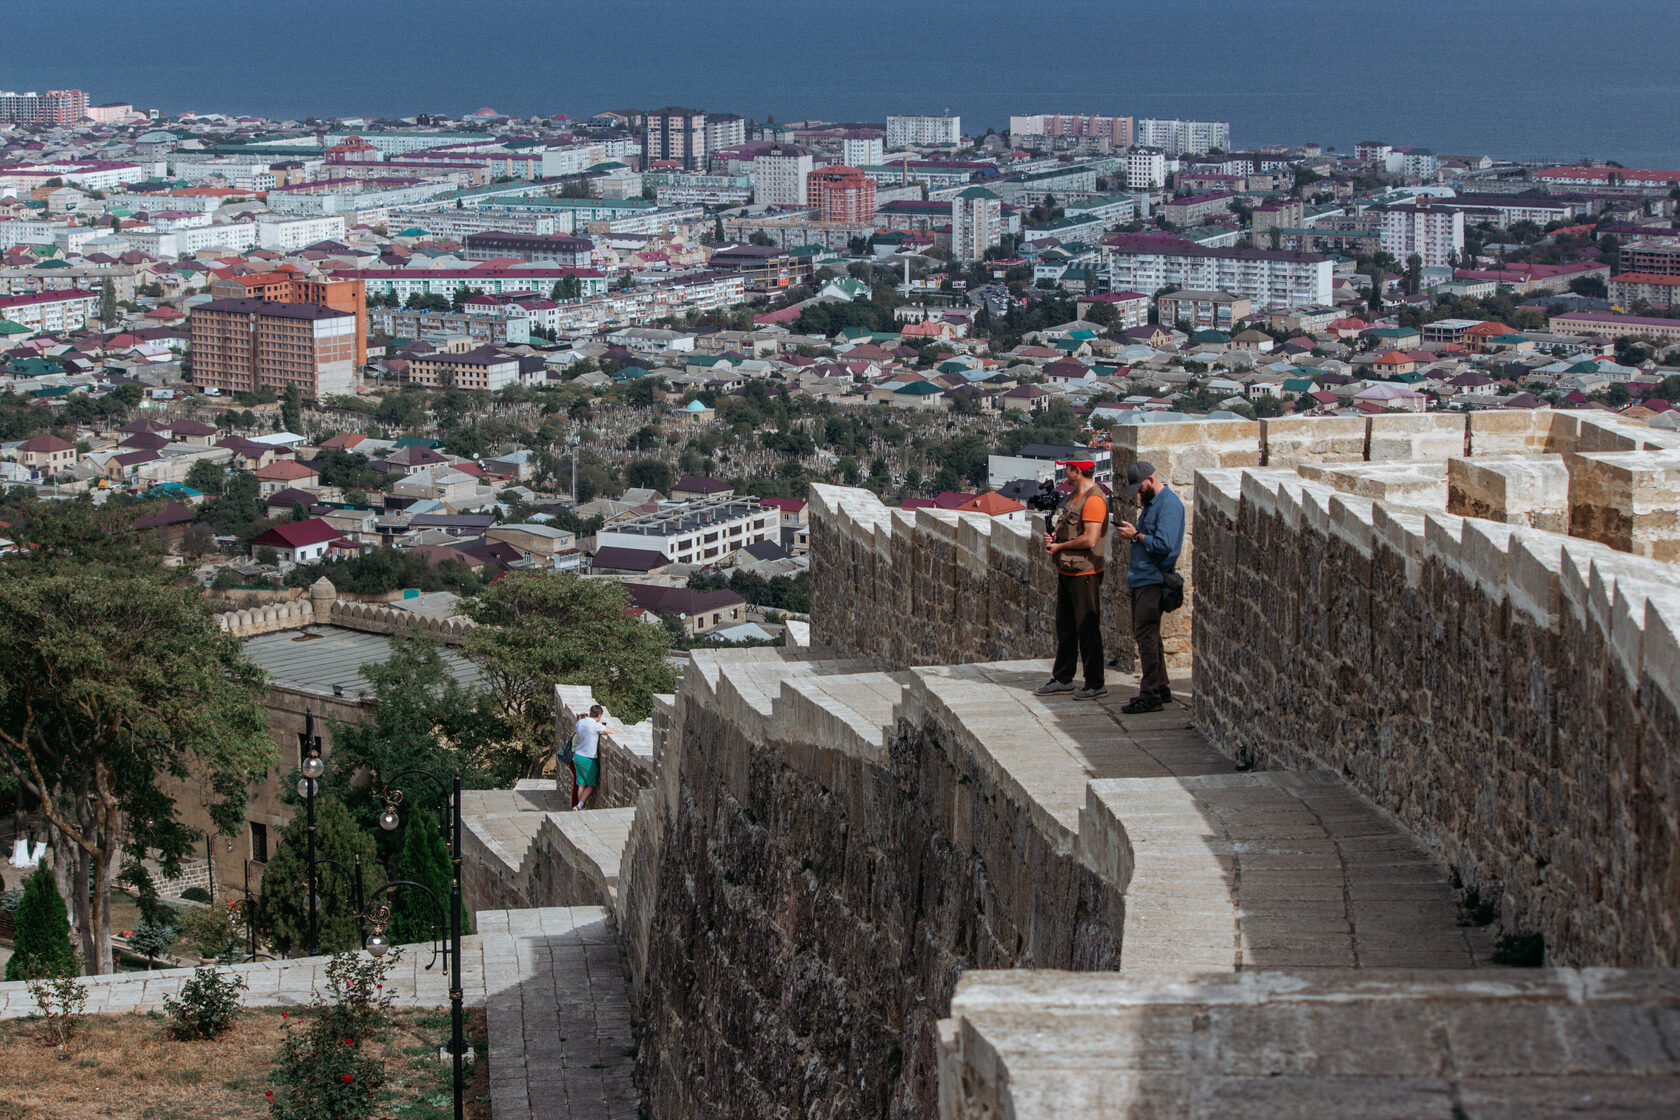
column 605, row 554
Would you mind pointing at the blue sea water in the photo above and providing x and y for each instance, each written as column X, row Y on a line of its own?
column 1549, row 79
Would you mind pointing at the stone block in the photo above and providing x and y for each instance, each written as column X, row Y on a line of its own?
column 1629, row 500
column 1414, row 436
column 1413, row 483
column 1292, row 440
column 1516, row 431
column 1528, row 490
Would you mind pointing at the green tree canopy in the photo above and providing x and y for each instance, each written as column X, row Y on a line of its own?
column 41, row 945
column 281, row 909
column 539, row 629
column 119, row 692
column 424, row 860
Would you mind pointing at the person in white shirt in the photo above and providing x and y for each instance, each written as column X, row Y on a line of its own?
column 584, row 756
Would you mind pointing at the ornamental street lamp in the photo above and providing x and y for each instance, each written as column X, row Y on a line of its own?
column 309, row 755
column 389, row 820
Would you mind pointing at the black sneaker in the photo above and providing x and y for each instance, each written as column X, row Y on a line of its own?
column 1090, row 693
column 1142, row 703
column 1164, row 694
column 1052, row 686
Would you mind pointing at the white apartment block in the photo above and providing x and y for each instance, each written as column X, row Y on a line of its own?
column 779, row 175
column 457, row 224
column 856, row 151
column 1183, row 137
column 976, row 224
column 1146, row 169
column 923, row 132
column 698, row 532
column 286, row 234
column 725, row 130
column 1266, row 278
column 1432, row 233
column 65, row 310
column 184, row 242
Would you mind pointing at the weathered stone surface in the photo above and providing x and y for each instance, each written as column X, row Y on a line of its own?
column 1629, row 500
column 1530, row 490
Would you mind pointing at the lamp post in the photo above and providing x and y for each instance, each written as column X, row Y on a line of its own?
column 573, row 441
column 309, row 754
column 378, row 946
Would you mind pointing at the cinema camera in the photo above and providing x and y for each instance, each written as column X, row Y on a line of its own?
column 1046, row 499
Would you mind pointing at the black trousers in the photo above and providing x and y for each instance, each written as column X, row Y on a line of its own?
column 1079, row 628
column 1146, row 630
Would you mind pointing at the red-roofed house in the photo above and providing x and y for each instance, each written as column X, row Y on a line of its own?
column 46, row 454
column 299, row 542
column 283, row 473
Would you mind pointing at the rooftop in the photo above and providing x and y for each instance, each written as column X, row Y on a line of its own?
column 317, row 658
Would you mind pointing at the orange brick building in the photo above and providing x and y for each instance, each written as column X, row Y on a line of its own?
column 285, row 286
column 248, row 345
column 841, row 194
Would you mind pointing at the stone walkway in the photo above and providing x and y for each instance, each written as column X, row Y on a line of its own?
column 558, row 1015
column 1229, row 870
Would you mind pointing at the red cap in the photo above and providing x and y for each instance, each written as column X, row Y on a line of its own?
column 1086, row 465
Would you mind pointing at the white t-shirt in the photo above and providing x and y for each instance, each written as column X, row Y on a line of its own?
column 588, row 733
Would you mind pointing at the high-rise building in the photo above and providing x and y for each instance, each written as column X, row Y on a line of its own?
column 282, row 286
column 841, row 194
column 1116, row 130
column 862, row 147
column 248, row 345
column 976, row 224
column 675, row 134
column 1270, row 279
column 923, row 132
column 778, row 175
column 56, row 106
column 1146, row 169
column 1178, row 138
column 1434, row 233
column 725, row 130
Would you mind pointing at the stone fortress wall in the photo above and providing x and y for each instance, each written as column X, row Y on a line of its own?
column 323, row 607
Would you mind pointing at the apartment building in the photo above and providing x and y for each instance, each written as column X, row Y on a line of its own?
column 482, row 368
column 517, row 280
column 725, row 130
column 1177, row 138
column 52, row 312
column 56, row 106
column 779, row 175
column 1146, row 169
column 698, row 532
column 1195, row 209
column 862, row 146
column 675, row 134
column 1433, row 233
column 509, row 325
column 923, row 132
column 289, row 287
column 457, row 224
column 1660, row 258
column 244, row 345
column 1267, row 278
column 1655, row 289
column 976, row 224
column 840, row 194
column 556, row 248
column 1116, row 131
column 1219, row 311
column 1606, row 324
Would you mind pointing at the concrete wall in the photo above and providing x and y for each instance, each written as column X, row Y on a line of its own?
column 1511, row 695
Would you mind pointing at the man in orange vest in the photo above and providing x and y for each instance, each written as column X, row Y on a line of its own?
column 1077, row 540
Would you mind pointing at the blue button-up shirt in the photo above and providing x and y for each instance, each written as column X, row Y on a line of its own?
column 1161, row 537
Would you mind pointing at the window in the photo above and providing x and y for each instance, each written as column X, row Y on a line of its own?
column 259, row 843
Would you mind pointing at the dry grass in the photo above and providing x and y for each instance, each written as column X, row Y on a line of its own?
column 127, row 1067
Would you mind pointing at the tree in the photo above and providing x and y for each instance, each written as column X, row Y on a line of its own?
column 291, row 409
column 107, row 303
column 116, row 684
column 42, row 941
column 206, row 477
column 1414, row 274
column 538, row 629
column 424, row 860
column 650, row 474
column 281, row 908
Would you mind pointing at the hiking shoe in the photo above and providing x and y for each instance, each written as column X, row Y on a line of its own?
column 1090, row 693
column 1141, row 703
column 1053, row 686
column 1164, row 694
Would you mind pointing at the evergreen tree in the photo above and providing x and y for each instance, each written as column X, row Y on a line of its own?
column 107, row 303
column 43, row 931
column 425, row 860
column 282, row 910
column 291, row 409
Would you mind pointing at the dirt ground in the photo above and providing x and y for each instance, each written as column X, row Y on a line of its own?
column 127, row 1067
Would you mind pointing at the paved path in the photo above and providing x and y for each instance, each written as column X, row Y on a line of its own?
column 1229, row 869
column 559, row 1016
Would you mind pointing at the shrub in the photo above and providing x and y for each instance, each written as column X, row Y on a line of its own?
column 209, row 932
column 41, row 945
column 196, row 894
column 325, row 1072
column 207, row 1005
column 151, row 939
column 61, row 1001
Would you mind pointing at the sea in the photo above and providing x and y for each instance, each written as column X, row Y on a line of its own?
column 1523, row 79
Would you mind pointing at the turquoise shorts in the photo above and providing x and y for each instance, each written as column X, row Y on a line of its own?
column 588, row 769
